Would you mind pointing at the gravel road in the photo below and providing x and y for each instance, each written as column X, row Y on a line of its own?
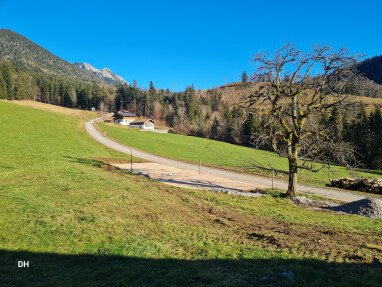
column 256, row 180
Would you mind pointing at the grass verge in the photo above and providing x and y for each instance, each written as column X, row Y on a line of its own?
column 80, row 223
column 221, row 154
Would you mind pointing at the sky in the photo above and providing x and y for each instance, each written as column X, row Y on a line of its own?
column 179, row 43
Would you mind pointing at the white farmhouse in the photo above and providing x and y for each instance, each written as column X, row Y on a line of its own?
column 124, row 117
column 144, row 124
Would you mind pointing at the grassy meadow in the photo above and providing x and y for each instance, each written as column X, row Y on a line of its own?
column 221, row 154
column 81, row 223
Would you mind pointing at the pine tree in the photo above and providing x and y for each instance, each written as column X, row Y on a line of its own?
column 244, row 77
column 348, row 129
column 249, row 128
column 336, row 123
column 152, row 90
column 215, row 132
column 150, row 99
column 376, row 139
column 215, row 99
column 84, row 97
column 192, row 104
column 97, row 96
column 67, row 96
column 3, row 87
column 118, row 102
column 7, row 72
column 362, row 136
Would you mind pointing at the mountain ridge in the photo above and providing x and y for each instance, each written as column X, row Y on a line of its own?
column 27, row 55
column 371, row 68
column 105, row 73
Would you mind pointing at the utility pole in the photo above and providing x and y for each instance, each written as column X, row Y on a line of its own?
column 131, row 160
column 101, row 108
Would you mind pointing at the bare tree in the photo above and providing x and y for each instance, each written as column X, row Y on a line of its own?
column 181, row 123
column 295, row 89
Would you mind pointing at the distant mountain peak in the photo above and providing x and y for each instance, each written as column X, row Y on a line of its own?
column 106, row 74
column 29, row 56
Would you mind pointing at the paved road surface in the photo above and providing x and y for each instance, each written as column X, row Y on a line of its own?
column 256, row 180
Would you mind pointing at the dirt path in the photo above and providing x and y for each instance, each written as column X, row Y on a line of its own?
column 190, row 179
column 217, row 177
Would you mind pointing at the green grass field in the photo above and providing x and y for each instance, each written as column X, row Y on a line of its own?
column 221, row 154
column 80, row 223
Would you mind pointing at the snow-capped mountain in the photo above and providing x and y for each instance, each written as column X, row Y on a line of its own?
column 105, row 74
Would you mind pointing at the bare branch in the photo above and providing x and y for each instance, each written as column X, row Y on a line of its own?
column 296, row 89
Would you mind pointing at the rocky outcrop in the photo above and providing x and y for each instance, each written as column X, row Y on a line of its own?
column 359, row 184
column 104, row 74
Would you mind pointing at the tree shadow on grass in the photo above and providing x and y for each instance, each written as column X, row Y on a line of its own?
column 86, row 161
column 107, row 270
column 372, row 171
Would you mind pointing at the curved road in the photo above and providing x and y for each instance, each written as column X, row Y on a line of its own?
column 240, row 177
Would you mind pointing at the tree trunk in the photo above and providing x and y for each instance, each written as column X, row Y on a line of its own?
column 292, row 180
column 293, row 167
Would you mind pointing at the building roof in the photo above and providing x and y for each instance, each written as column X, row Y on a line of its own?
column 141, row 121
column 124, row 113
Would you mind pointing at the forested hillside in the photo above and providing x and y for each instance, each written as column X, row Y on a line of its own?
column 52, row 89
column 372, row 69
column 28, row 71
column 212, row 114
column 217, row 114
column 27, row 56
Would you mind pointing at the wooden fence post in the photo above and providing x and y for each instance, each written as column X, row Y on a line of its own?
column 131, row 160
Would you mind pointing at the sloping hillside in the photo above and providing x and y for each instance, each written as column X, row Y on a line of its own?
column 372, row 69
column 79, row 222
column 234, row 94
column 27, row 55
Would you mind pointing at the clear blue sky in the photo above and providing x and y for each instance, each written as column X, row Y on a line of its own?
column 178, row 43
